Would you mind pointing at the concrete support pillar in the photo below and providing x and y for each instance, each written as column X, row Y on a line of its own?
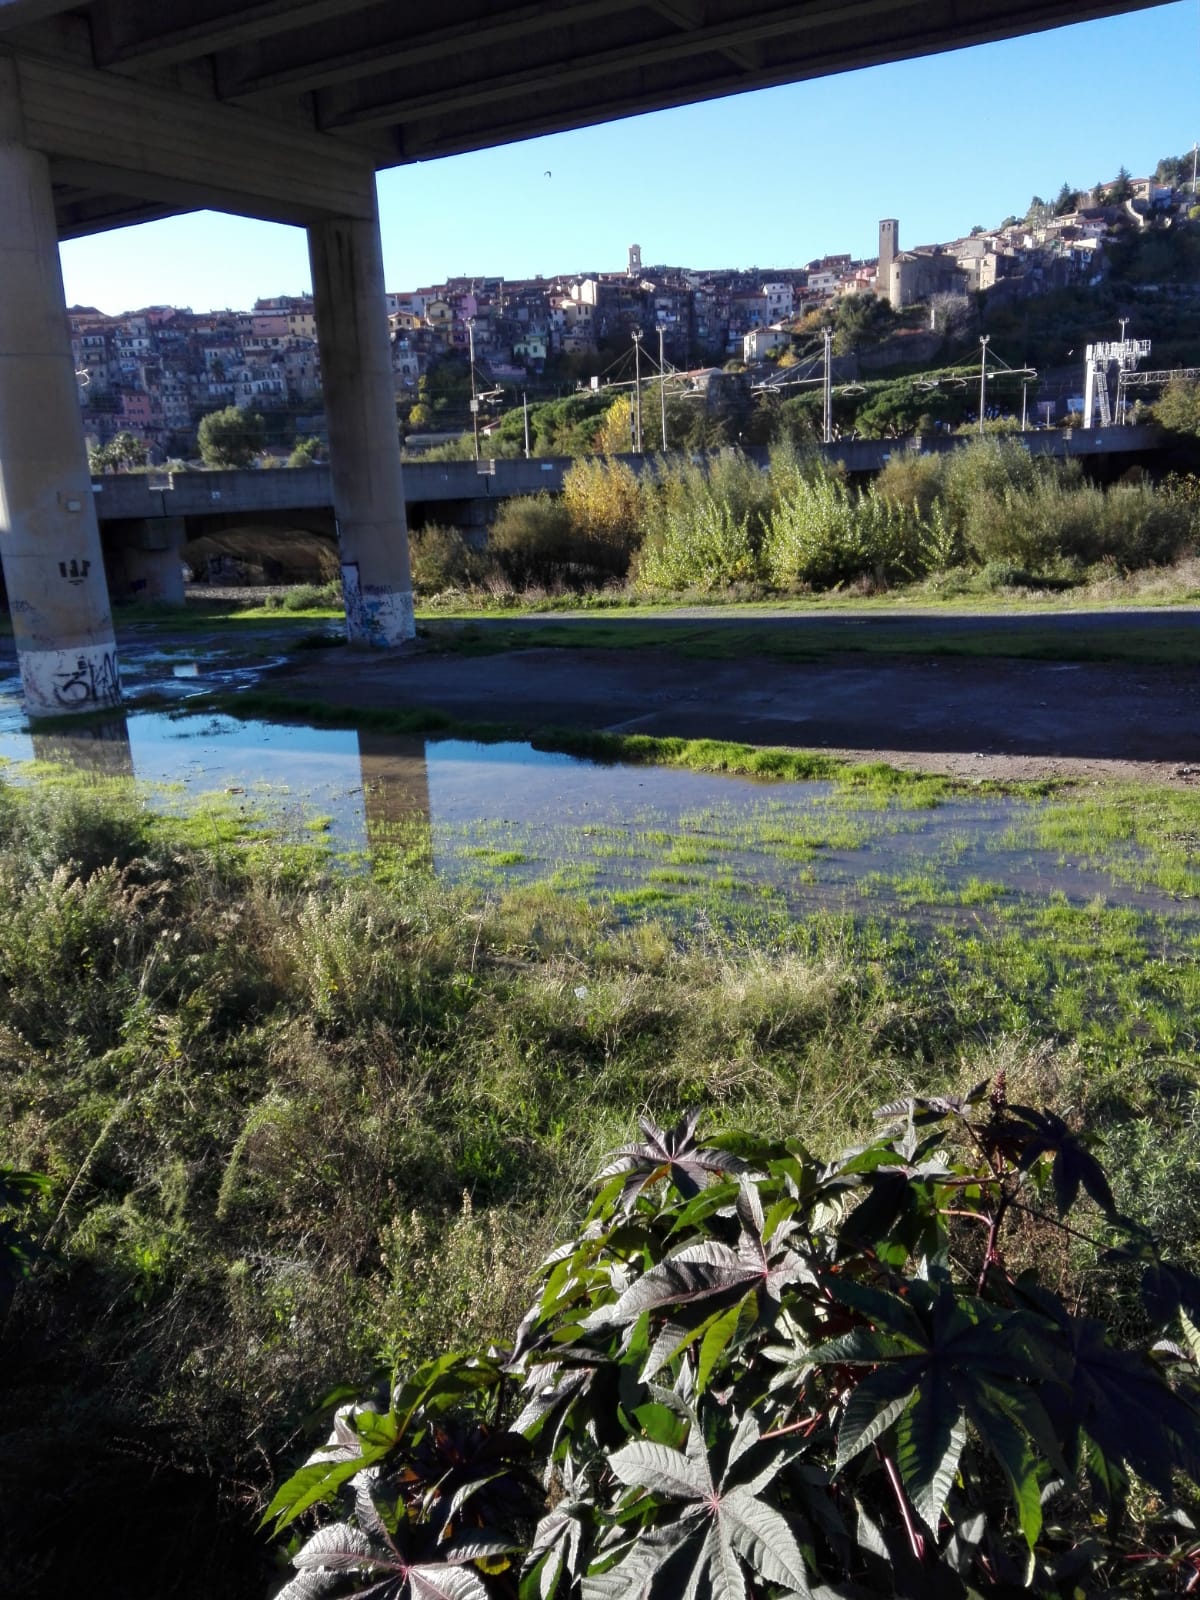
column 144, row 560
column 364, row 449
column 49, row 535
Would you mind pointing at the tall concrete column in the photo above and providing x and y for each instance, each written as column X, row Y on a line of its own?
column 364, row 448
column 145, row 560
column 49, row 535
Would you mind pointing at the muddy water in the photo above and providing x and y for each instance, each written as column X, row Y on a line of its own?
column 507, row 814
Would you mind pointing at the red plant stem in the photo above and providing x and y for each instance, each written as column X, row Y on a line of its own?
column 989, row 1254
column 807, row 1426
column 916, row 1539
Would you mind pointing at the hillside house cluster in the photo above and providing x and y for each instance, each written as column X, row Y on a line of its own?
column 157, row 371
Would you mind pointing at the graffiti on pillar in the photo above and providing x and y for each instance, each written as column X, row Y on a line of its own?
column 74, row 571
column 388, row 614
column 352, row 598
column 94, row 682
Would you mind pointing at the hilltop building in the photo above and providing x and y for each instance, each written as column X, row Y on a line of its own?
column 156, row 371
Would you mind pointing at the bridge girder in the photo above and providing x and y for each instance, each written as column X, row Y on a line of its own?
column 282, row 108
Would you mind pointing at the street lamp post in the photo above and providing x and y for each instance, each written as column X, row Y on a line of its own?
column 983, row 344
column 474, row 396
column 637, row 389
column 662, row 387
column 828, row 387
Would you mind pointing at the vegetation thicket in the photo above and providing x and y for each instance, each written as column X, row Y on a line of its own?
column 301, row 1125
column 231, row 438
column 758, row 1372
column 988, row 512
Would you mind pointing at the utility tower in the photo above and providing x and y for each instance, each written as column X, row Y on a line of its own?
column 1122, row 353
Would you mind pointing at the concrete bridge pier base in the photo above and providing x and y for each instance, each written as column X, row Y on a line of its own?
column 364, row 449
column 147, row 563
column 49, row 534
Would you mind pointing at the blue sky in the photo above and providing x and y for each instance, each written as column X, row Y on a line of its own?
column 766, row 179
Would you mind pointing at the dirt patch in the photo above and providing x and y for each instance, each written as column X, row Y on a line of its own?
column 992, row 717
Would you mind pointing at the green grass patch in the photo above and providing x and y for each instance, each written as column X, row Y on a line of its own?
column 262, row 1084
column 1167, row 641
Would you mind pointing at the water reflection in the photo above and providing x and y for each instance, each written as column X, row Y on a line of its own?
column 99, row 749
column 395, row 788
column 505, row 814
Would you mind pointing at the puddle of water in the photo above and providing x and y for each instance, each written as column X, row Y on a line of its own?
column 507, row 814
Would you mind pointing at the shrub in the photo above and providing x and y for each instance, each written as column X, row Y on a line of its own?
column 818, row 1376
column 1178, row 409
column 441, row 559
column 603, row 499
column 1061, row 519
column 824, row 534
column 536, row 542
column 700, row 543
column 979, row 474
column 912, row 479
column 312, row 596
column 704, row 527
column 531, row 538
column 1139, row 526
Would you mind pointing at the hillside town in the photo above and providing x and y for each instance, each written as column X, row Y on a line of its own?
column 150, row 375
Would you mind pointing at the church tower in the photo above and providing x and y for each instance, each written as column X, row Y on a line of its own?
column 889, row 249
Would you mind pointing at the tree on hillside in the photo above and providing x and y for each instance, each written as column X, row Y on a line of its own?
column 307, row 452
column 1175, row 170
column 950, row 314
column 231, row 438
column 123, row 450
column 1179, row 408
column 1066, row 201
column 861, row 319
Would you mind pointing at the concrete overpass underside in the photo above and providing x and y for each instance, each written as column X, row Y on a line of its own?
column 122, row 111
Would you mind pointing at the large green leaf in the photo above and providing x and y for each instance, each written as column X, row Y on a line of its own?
column 930, row 1435
column 446, row 1583
column 696, row 1272
column 759, row 1533
column 672, row 1153
column 718, row 1335
column 992, row 1416
column 740, row 1526
column 873, row 1406
column 645, row 1465
column 1029, row 1134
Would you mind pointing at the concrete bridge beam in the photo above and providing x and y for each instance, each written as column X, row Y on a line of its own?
column 49, row 533
column 364, row 448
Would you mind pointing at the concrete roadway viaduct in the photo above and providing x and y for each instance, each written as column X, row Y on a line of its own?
column 148, row 519
column 121, row 111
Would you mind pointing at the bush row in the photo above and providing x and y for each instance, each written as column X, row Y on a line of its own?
column 799, row 525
